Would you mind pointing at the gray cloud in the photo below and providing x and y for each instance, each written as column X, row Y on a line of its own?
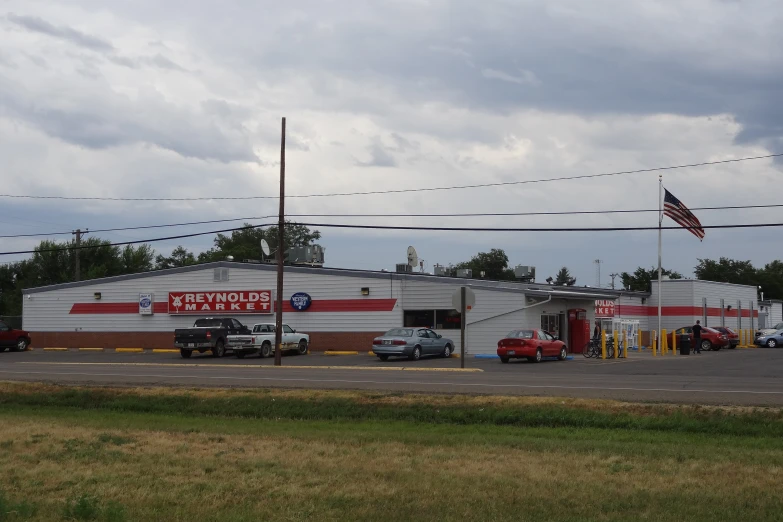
column 39, row 25
column 159, row 61
column 98, row 120
column 379, row 155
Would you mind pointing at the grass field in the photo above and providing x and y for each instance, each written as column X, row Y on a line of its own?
column 152, row 454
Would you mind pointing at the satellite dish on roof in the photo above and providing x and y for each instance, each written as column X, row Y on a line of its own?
column 413, row 257
column 265, row 247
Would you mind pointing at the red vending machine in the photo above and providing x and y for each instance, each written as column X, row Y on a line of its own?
column 578, row 330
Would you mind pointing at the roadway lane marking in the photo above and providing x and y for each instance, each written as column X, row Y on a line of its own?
column 256, row 366
column 425, row 383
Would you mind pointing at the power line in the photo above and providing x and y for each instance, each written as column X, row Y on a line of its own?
column 477, row 214
column 400, row 191
column 390, row 227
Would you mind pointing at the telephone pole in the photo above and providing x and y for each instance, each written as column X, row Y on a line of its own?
column 280, row 254
column 613, row 276
column 77, row 267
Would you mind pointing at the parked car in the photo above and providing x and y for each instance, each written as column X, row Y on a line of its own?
column 769, row 331
column 731, row 334
column 711, row 339
column 532, row 345
column 13, row 339
column 207, row 334
column 262, row 340
column 412, row 343
column 772, row 340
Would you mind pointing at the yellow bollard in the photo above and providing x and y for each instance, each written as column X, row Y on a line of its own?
column 664, row 342
column 741, row 339
column 674, row 342
column 603, row 344
column 654, row 341
column 616, row 345
column 625, row 344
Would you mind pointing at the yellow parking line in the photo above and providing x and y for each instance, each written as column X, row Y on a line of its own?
column 55, row 349
column 164, row 350
column 256, row 366
column 129, row 350
column 337, row 352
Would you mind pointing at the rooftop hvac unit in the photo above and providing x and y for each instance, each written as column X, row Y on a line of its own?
column 309, row 255
column 403, row 268
column 525, row 272
column 465, row 272
column 440, row 270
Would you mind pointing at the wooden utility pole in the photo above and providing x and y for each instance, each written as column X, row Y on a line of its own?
column 77, row 267
column 280, row 255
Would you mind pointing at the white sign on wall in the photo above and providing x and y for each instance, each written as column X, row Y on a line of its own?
column 145, row 304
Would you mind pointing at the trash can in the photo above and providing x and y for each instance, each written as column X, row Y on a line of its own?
column 685, row 344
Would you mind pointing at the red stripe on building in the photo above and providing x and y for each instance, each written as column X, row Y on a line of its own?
column 675, row 311
column 327, row 305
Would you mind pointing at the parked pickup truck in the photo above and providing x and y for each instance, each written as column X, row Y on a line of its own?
column 208, row 334
column 262, row 340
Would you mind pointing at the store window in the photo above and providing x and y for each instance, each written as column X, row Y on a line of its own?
column 435, row 319
column 551, row 323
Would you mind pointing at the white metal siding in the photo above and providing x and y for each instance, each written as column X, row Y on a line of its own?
column 49, row 311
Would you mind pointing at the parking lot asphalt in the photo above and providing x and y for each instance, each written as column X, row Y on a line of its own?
column 733, row 377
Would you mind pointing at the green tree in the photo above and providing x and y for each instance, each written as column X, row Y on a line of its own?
column 563, row 278
column 494, row 264
column 727, row 270
column 246, row 242
column 771, row 280
column 641, row 280
column 180, row 256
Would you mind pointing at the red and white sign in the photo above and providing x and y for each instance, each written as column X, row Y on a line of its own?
column 236, row 302
column 604, row 309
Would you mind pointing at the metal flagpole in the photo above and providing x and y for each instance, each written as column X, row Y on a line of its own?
column 660, row 245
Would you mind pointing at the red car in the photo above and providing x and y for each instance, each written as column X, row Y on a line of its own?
column 532, row 345
column 731, row 334
column 16, row 340
column 710, row 339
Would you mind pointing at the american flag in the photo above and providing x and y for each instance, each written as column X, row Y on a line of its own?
column 674, row 208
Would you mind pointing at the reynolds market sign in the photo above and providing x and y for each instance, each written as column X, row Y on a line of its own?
column 604, row 308
column 238, row 302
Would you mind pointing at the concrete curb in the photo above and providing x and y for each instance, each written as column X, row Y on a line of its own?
column 55, row 349
column 164, row 350
column 91, row 349
column 129, row 350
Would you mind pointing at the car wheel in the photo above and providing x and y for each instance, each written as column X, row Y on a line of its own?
column 732, row 346
column 302, row 349
column 185, row 354
column 563, row 354
column 20, row 346
column 239, row 354
column 384, row 358
column 706, row 345
column 266, row 350
column 447, row 351
column 219, row 350
column 504, row 360
column 415, row 354
column 539, row 356
column 772, row 343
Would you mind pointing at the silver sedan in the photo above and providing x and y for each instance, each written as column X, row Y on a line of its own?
column 412, row 343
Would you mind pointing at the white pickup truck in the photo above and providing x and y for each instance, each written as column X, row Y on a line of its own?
column 261, row 340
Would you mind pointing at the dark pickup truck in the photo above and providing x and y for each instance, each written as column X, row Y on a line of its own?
column 208, row 334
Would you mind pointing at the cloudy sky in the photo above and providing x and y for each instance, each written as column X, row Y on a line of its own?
column 151, row 99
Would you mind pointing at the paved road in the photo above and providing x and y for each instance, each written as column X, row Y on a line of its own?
column 742, row 377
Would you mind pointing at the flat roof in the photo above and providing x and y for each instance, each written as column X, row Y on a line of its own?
column 544, row 290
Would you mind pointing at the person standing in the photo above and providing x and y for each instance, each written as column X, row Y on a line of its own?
column 697, row 337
